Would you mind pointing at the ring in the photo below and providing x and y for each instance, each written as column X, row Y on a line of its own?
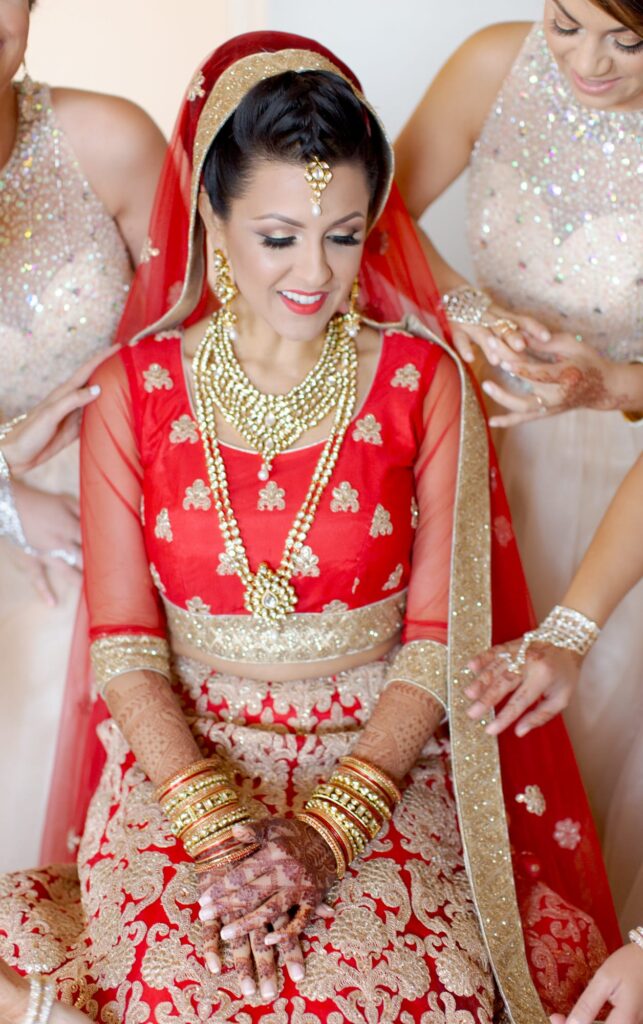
column 503, row 326
column 70, row 558
column 542, row 408
column 513, row 665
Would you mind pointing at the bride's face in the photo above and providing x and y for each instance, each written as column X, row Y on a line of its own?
column 293, row 270
column 14, row 29
column 601, row 58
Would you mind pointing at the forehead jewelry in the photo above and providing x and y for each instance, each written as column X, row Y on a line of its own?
column 319, row 176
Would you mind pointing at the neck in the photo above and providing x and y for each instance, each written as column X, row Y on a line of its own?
column 8, row 122
column 260, row 349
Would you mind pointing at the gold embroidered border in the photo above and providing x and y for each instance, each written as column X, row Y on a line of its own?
column 303, row 636
column 118, row 653
column 422, row 663
column 233, row 84
column 475, row 756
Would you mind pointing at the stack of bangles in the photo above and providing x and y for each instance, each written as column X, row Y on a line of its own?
column 41, row 1000
column 350, row 809
column 203, row 806
column 636, row 936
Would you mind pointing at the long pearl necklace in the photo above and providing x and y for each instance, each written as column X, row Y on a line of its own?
column 273, row 423
column 269, row 593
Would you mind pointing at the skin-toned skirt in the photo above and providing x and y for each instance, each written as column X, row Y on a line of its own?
column 121, row 938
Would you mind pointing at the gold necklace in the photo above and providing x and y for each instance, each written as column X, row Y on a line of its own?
column 269, row 593
column 273, row 423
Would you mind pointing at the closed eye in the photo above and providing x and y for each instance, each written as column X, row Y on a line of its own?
column 350, row 239
column 279, row 242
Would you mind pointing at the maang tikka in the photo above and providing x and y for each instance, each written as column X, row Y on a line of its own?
column 319, row 176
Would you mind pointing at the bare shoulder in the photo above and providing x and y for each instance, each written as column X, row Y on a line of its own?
column 103, row 128
column 486, row 57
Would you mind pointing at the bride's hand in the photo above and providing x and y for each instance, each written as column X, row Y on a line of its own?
column 268, row 898
column 618, row 982
column 496, row 338
column 53, row 423
column 541, row 688
column 574, row 375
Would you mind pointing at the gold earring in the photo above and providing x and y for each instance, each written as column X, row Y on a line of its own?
column 353, row 319
column 225, row 290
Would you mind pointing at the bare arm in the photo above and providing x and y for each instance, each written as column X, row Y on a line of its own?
column 121, row 151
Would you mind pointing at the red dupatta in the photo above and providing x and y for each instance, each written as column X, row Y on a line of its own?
column 556, row 841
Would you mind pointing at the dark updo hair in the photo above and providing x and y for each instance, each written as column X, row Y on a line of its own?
column 294, row 117
column 628, row 12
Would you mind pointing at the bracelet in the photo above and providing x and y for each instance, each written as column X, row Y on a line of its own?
column 468, row 305
column 41, row 1000
column 636, row 936
column 10, row 524
column 633, row 417
column 564, row 628
column 349, row 810
column 6, row 428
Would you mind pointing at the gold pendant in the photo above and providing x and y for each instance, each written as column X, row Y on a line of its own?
column 270, row 596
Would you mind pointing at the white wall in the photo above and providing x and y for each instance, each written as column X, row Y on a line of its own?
column 148, row 49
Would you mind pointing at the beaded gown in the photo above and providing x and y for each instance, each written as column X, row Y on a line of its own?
column 555, row 231
column 64, row 273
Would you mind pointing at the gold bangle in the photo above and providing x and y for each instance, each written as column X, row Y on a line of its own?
column 374, row 799
column 197, row 842
column 185, row 775
column 374, row 775
column 636, row 936
column 324, row 831
column 357, row 809
column 232, row 857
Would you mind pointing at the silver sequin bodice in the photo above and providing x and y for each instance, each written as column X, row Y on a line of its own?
column 554, row 218
column 64, row 268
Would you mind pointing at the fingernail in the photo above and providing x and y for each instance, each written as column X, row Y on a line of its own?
column 94, row 389
column 204, row 900
column 493, row 422
column 491, row 729
column 546, row 335
column 272, row 939
column 213, row 963
column 487, row 387
column 296, row 972
column 522, row 730
column 468, row 359
column 228, row 932
column 470, row 691
column 207, row 914
column 506, row 366
column 268, row 990
column 248, row 986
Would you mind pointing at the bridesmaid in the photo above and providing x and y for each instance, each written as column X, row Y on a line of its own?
column 548, row 118
column 77, row 181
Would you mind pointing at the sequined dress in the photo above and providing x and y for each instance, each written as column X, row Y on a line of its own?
column 64, row 273
column 555, row 231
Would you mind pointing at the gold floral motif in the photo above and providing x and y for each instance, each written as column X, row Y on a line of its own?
column 148, row 251
column 197, row 606
column 163, row 526
column 533, row 799
column 415, row 513
column 503, row 531
column 305, row 636
column 197, row 496
column 335, row 606
column 195, row 88
column 271, row 498
column 157, row 378
column 141, row 509
column 381, row 525
column 345, row 498
column 567, row 833
column 227, row 564
column 306, row 563
column 368, row 430
column 156, row 578
column 407, row 376
column 118, row 653
column 184, row 429
column 395, row 578
column 422, row 663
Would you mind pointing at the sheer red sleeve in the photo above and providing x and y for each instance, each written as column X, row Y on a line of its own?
column 422, row 658
column 126, row 621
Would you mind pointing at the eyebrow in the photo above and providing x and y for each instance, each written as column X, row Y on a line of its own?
column 297, row 224
column 612, row 31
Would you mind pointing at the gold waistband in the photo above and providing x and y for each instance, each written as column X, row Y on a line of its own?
column 304, row 636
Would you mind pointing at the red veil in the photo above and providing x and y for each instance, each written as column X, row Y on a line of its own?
column 552, row 839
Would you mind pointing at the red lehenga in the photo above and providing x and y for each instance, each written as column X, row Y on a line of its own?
column 486, row 894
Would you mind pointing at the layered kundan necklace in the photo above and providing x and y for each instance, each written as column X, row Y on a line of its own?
column 270, row 424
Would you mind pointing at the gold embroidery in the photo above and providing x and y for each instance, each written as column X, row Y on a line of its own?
column 118, row 653
column 157, row 378
column 197, row 496
column 345, row 498
column 422, row 663
column 567, row 833
column 271, row 498
column 415, row 514
column 305, row 636
column 148, row 251
column 503, row 531
column 533, row 800
column 184, row 429
column 163, row 527
column 335, row 606
column 368, row 430
column 156, row 578
column 407, row 376
column 306, row 563
column 197, row 606
column 394, row 579
column 381, row 525
column 227, row 564
column 195, row 88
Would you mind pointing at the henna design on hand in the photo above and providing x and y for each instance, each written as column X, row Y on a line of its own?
column 403, row 720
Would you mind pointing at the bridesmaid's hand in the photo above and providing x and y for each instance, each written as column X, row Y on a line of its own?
column 53, row 423
column 51, row 524
column 568, row 374
column 541, row 688
column 496, row 338
column 618, row 982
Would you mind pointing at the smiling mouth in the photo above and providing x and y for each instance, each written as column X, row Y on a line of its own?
column 594, row 84
column 305, row 303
